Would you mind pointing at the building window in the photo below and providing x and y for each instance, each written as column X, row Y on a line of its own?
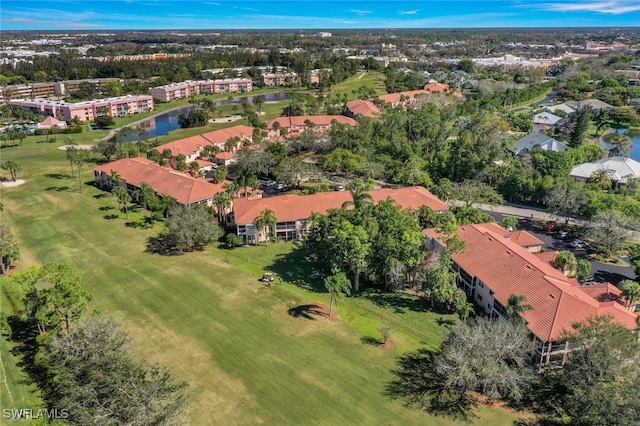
column 480, row 297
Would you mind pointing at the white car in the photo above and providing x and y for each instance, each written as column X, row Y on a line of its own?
column 579, row 244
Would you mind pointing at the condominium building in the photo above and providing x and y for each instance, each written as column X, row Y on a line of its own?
column 186, row 89
column 86, row 111
column 494, row 265
column 293, row 211
column 298, row 124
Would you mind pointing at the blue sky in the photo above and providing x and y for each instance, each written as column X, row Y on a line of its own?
column 306, row 14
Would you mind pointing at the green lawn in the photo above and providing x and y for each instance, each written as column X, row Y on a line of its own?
column 208, row 319
column 372, row 79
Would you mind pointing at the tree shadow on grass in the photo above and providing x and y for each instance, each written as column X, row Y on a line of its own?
column 399, row 301
column 309, row 312
column 58, row 176
column 163, row 245
column 368, row 340
column 419, row 385
column 110, row 216
column 105, row 208
column 24, row 334
column 103, row 195
column 294, row 268
column 57, row 188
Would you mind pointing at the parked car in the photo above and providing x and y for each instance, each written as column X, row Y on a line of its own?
column 578, row 244
column 551, row 226
column 339, row 188
column 563, row 234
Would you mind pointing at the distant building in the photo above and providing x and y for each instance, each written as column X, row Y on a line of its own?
column 545, row 120
column 86, row 111
column 186, row 89
column 323, row 34
column 619, row 169
column 298, row 124
column 49, row 122
column 538, row 139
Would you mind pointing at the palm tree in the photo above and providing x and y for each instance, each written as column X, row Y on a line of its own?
column 630, row 291
column 583, row 269
column 167, row 202
column 566, row 261
column 247, row 178
column 222, row 201
column 12, row 167
column 79, row 159
column 114, row 179
column 266, row 221
column 358, row 189
column 601, row 178
column 123, row 197
column 336, row 283
column 516, row 306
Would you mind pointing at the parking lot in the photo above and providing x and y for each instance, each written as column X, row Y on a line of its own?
column 601, row 272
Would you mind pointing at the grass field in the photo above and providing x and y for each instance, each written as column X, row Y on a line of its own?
column 208, row 319
column 372, row 79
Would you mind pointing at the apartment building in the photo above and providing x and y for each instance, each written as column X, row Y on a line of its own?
column 298, row 124
column 186, row 89
column 493, row 266
column 293, row 211
column 183, row 187
column 86, row 111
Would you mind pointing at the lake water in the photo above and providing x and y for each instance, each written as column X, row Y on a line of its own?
column 635, row 144
column 168, row 121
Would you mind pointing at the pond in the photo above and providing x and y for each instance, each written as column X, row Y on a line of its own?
column 635, row 143
column 168, row 121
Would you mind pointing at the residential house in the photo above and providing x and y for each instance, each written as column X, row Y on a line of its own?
column 183, row 187
column 298, row 124
column 492, row 268
column 545, row 120
column 442, row 88
column 544, row 142
column 570, row 107
column 293, row 211
column 226, row 158
column 619, row 169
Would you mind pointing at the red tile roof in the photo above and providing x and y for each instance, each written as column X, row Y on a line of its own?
column 442, row 88
column 507, row 269
column 318, row 120
column 395, row 97
column 191, row 145
column 219, row 137
column 187, row 146
column 522, row 238
column 603, row 292
column 184, row 188
column 224, row 155
column 289, row 208
column 365, row 108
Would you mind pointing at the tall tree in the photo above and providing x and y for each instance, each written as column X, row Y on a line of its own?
column 123, row 197
column 222, row 201
column 81, row 156
column 516, row 306
column 266, row 222
column 601, row 178
column 600, row 380
column 12, row 167
column 9, row 249
column 192, row 227
column 336, row 284
column 358, row 189
column 566, row 261
column 630, row 292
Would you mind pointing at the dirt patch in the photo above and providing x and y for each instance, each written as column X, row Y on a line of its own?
column 65, row 147
column 313, row 311
column 388, row 344
column 10, row 183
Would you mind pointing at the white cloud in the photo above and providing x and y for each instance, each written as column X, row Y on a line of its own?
column 612, row 7
column 408, row 12
column 360, row 12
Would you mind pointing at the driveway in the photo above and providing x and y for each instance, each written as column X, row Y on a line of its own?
column 601, row 272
